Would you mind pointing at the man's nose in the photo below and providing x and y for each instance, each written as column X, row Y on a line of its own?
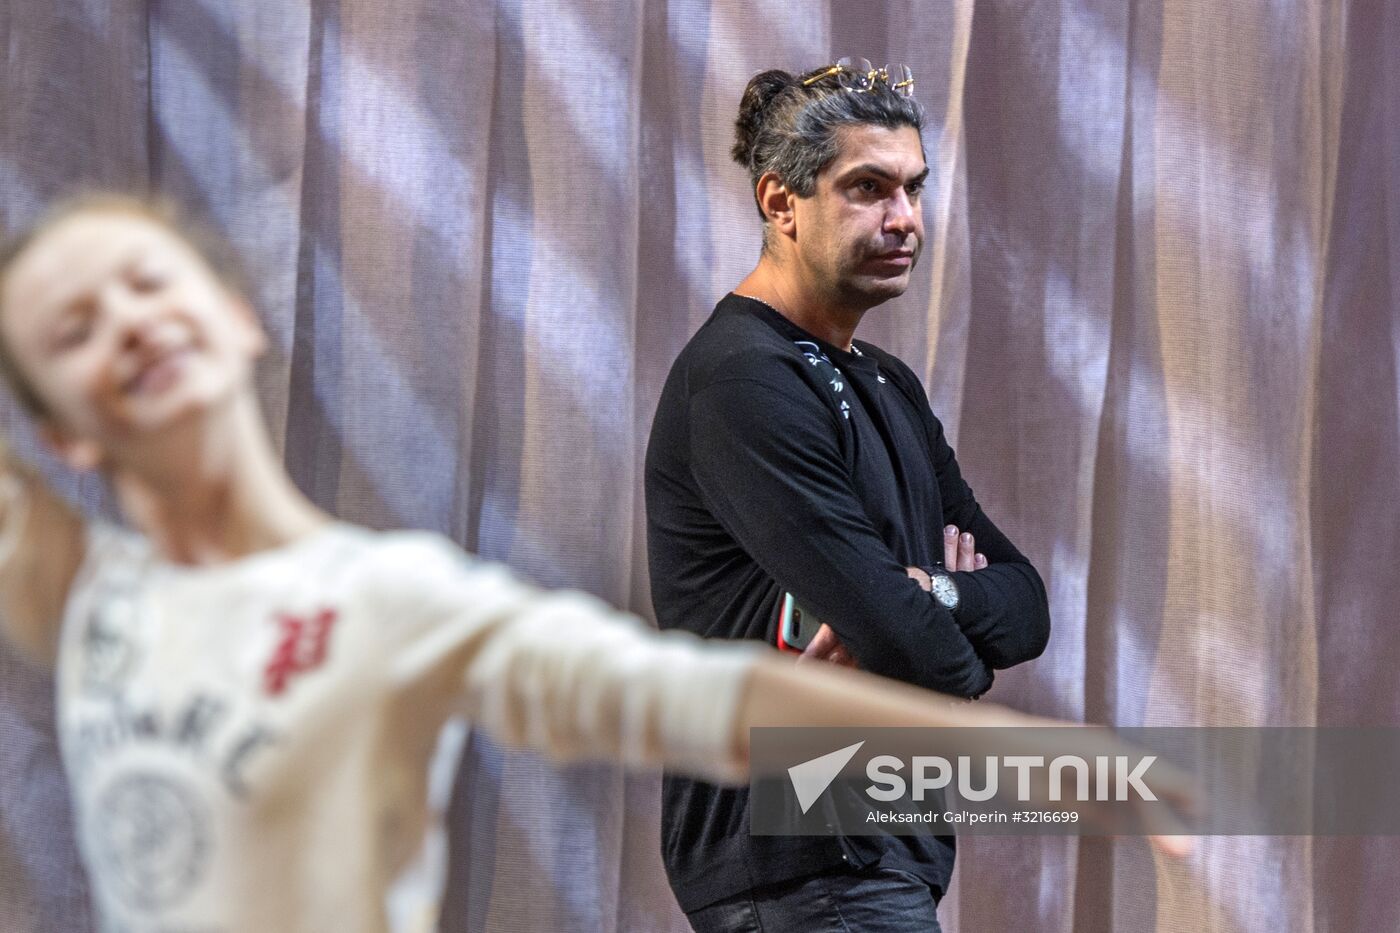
column 903, row 216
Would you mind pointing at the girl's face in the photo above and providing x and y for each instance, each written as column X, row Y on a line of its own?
column 123, row 330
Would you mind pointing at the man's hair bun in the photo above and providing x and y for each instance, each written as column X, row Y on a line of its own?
column 762, row 89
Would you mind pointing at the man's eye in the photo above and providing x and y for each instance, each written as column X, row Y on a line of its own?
column 915, row 189
column 867, row 186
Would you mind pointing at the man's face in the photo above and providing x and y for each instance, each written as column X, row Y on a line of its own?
column 859, row 234
column 122, row 328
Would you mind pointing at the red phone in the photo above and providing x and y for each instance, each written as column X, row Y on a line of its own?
column 796, row 626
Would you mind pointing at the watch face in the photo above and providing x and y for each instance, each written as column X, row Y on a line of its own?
column 945, row 590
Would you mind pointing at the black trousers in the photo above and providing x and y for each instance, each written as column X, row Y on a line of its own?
column 868, row 900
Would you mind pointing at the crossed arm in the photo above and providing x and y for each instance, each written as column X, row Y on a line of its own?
column 959, row 554
column 773, row 474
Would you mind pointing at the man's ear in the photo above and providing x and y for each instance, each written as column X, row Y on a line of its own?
column 79, row 453
column 775, row 199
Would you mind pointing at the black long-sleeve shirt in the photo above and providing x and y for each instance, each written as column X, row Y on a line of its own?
column 779, row 463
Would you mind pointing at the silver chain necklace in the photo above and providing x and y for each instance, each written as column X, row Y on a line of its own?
column 854, row 349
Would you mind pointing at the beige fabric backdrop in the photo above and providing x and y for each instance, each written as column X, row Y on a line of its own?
column 1158, row 315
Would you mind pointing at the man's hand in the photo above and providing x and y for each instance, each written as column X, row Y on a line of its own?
column 827, row 647
column 959, row 552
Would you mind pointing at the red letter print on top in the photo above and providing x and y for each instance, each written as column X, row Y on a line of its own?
column 302, row 648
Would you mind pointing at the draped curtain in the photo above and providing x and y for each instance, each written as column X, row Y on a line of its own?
column 1157, row 313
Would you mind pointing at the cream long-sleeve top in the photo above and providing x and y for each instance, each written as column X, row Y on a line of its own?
column 261, row 745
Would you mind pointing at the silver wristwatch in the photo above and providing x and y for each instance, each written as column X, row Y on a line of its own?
column 943, row 588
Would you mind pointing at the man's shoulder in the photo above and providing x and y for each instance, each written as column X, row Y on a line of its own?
column 734, row 345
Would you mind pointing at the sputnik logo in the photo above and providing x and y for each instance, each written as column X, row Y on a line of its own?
column 811, row 778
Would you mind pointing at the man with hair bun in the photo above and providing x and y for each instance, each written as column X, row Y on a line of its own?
column 794, row 473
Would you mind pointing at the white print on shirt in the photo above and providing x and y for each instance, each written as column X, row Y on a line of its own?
column 817, row 358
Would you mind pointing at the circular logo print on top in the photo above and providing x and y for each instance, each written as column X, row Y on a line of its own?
column 152, row 839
